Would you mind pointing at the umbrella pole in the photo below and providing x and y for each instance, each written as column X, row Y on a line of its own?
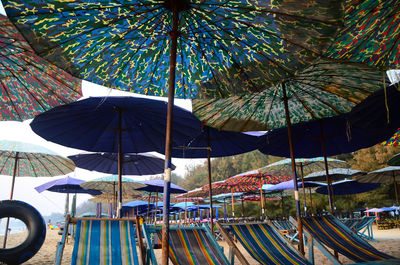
column 296, row 188
column 242, row 206
column 328, row 180
column 395, row 189
column 303, row 188
column 171, row 93
column 233, row 205
column 11, row 197
column 120, row 158
column 148, row 207
column 156, row 202
column 209, row 179
column 262, row 202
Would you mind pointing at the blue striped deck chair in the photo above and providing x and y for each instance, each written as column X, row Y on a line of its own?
column 287, row 229
column 351, row 222
column 107, row 241
column 187, row 246
column 364, row 227
column 264, row 243
column 329, row 231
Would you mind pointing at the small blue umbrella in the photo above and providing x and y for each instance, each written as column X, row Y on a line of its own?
column 134, row 164
column 157, row 185
column 288, row 185
column 66, row 185
column 346, row 187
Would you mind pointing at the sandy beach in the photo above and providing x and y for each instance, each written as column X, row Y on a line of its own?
column 387, row 241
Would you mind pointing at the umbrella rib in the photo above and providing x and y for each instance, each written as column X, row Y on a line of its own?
column 10, row 155
column 32, row 164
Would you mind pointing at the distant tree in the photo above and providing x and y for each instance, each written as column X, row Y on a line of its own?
column 373, row 158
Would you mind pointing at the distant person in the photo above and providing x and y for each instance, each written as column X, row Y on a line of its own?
column 49, row 223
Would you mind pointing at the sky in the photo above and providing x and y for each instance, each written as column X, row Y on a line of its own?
column 48, row 202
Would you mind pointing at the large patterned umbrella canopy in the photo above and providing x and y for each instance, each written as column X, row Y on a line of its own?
column 256, row 178
column 126, row 45
column 30, row 160
column 323, row 89
column 109, row 198
column 334, row 174
column 370, row 34
column 309, row 165
column 109, row 185
column 29, row 84
column 220, row 187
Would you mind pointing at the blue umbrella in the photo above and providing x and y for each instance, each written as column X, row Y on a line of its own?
column 117, row 125
column 134, row 164
column 288, row 185
column 346, row 187
column 157, row 185
column 66, row 185
column 365, row 126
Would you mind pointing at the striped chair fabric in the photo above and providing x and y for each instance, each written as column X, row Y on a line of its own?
column 104, row 242
column 265, row 244
column 193, row 247
column 334, row 234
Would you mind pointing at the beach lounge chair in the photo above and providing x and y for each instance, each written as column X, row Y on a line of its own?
column 187, row 245
column 263, row 242
column 362, row 226
column 329, row 231
column 102, row 241
column 287, row 229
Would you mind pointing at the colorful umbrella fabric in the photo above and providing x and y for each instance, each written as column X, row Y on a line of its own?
column 334, row 174
column 29, row 84
column 309, row 165
column 324, row 89
column 126, row 45
column 109, row 185
column 394, row 140
column 256, row 178
column 30, row 160
column 109, row 198
column 370, row 34
column 220, row 187
column 134, row 164
column 288, row 185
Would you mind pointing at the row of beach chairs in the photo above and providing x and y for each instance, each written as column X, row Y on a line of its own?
column 110, row 241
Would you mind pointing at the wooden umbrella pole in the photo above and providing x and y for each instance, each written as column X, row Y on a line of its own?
column 168, row 164
column 303, row 188
column 262, row 201
column 210, row 180
column 233, row 204
column 395, row 189
column 296, row 189
column 11, row 197
column 328, row 180
column 242, row 207
column 119, row 208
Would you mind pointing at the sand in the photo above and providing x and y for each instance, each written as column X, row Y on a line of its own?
column 388, row 241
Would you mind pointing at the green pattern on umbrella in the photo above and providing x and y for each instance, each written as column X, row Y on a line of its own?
column 370, row 34
column 392, row 141
column 33, row 160
column 109, row 185
column 309, row 165
column 29, row 84
column 324, row 89
column 125, row 44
